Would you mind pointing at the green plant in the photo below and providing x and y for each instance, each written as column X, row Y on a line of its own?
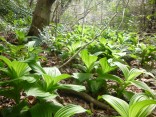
column 89, row 61
column 72, row 48
column 21, row 36
column 69, row 110
column 14, row 51
column 18, row 72
column 129, row 79
column 140, row 105
column 95, row 82
column 41, row 85
column 146, row 53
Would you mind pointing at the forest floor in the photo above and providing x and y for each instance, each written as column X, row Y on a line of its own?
column 54, row 60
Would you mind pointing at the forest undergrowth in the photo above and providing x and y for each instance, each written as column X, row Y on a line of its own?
column 117, row 68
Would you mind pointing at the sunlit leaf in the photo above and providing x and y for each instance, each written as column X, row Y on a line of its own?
column 6, row 60
column 88, row 60
column 72, row 87
column 44, row 109
column 39, row 93
column 133, row 73
column 52, row 71
column 123, row 68
column 143, row 86
column 119, row 105
column 138, row 107
column 112, row 77
column 82, row 76
column 106, row 67
column 69, row 110
column 20, row 68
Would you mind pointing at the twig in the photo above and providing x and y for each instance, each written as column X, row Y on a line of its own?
column 123, row 15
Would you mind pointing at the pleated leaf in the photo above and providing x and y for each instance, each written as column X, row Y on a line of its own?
column 123, row 68
column 119, row 105
column 72, row 87
column 138, row 108
column 105, row 65
column 52, row 71
column 69, row 110
column 88, row 60
column 82, row 76
column 41, row 110
column 20, row 68
column 112, row 77
column 133, row 73
column 6, row 60
column 39, row 93
column 143, row 86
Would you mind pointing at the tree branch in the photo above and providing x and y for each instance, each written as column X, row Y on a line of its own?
column 88, row 98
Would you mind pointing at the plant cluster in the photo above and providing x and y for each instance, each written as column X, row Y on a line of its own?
column 97, row 64
column 37, row 83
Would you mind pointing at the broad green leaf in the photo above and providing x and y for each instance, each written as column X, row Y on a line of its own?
column 119, row 105
column 32, row 59
column 133, row 73
column 43, row 109
column 81, row 67
column 105, row 65
column 112, row 77
column 29, row 79
column 72, row 87
column 143, row 86
column 147, row 111
column 16, row 69
column 15, row 48
column 138, row 97
column 82, row 76
column 51, row 81
column 48, row 81
column 123, row 68
column 128, row 94
column 37, row 68
column 96, row 84
column 103, row 41
column 52, row 71
column 69, row 110
column 88, row 60
column 11, row 93
column 20, row 68
column 138, row 107
column 72, row 48
column 61, row 77
column 30, row 45
column 16, row 110
column 6, row 60
column 39, row 93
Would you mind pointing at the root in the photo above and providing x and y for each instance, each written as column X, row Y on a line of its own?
column 87, row 98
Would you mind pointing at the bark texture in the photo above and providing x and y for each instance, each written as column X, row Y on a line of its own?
column 41, row 16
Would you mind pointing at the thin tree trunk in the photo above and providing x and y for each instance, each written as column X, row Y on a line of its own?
column 61, row 7
column 41, row 16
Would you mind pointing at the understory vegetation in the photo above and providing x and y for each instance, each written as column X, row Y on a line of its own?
column 77, row 66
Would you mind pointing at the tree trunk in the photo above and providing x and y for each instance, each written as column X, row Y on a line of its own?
column 41, row 16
